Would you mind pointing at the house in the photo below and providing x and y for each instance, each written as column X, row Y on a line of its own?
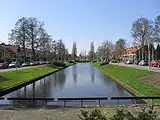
column 8, row 52
column 130, row 53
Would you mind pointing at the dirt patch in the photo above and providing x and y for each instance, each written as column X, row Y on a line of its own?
column 3, row 78
column 152, row 79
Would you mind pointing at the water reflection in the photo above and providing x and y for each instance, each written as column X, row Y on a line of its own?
column 92, row 72
column 74, row 73
column 60, row 78
column 80, row 80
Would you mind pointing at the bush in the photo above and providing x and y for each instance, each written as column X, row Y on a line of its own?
column 58, row 64
column 104, row 63
column 96, row 114
column 143, row 114
column 71, row 61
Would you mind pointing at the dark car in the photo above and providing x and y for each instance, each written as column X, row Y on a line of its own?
column 3, row 65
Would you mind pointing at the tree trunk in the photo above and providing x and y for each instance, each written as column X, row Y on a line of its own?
column 149, row 54
column 152, row 53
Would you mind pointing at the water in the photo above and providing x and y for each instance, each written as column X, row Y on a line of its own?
column 79, row 80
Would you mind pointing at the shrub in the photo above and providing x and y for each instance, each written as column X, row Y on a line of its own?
column 58, row 64
column 96, row 114
column 143, row 114
column 104, row 63
column 71, row 61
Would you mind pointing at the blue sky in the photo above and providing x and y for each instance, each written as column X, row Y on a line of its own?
column 79, row 20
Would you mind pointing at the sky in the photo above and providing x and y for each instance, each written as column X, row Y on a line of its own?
column 82, row 21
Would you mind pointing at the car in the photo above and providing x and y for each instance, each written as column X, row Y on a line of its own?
column 14, row 64
column 154, row 63
column 3, row 65
column 136, row 62
column 143, row 63
column 25, row 64
column 130, row 62
column 32, row 63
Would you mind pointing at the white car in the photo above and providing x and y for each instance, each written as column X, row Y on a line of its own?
column 14, row 64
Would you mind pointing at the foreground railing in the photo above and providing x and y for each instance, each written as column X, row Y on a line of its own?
column 82, row 100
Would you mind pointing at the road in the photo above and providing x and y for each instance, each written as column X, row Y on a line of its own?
column 21, row 68
column 154, row 69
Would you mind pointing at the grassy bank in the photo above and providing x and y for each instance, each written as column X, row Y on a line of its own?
column 131, row 78
column 17, row 77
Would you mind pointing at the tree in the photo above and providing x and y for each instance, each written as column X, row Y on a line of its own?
column 34, row 29
column 61, row 50
column 74, row 51
column 19, row 36
column 157, row 29
column 104, row 51
column 120, row 47
column 45, row 44
column 91, row 52
column 141, row 33
column 157, row 52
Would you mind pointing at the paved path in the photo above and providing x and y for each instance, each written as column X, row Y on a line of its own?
column 154, row 69
column 60, row 114
column 21, row 68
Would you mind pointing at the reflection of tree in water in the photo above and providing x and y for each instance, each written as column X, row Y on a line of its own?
column 74, row 73
column 107, row 81
column 41, row 89
column 119, row 90
column 60, row 79
column 92, row 70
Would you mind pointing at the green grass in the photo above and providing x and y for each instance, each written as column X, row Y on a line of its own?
column 131, row 78
column 20, row 76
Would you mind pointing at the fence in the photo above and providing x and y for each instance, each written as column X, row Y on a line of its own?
column 81, row 100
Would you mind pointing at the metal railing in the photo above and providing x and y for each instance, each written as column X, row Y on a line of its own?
column 136, row 98
column 82, row 100
column 64, row 100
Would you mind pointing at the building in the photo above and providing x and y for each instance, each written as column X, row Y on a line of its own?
column 130, row 53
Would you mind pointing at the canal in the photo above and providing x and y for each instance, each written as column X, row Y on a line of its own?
column 79, row 80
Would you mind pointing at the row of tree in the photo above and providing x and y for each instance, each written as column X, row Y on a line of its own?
column 145, row 33
column 30, row 35
column 107, row 50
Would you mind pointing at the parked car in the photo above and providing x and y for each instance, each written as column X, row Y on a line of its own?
column 136, row 62
column 14, row 64
column 143, row 63
column 130, row 62
column 32, row 63
column 3, row 65
column 155, row 63
column 25, row 64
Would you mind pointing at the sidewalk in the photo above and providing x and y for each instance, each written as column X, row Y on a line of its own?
column 154, row 69
column 21, row 68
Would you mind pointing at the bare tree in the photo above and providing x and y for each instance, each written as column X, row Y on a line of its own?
column 19, row 36
column 141, row 31
column 34, row 28
column 45, row 44
column 120, row 47
column 104, row 51
column 157, row 29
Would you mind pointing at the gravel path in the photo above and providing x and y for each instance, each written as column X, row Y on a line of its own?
column 57, row 114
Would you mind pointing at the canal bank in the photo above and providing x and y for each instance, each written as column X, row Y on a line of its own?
column 17, row 79
column 131, row 79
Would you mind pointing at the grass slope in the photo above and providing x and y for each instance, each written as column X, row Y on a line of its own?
column 20, row 76
column 131, row 77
